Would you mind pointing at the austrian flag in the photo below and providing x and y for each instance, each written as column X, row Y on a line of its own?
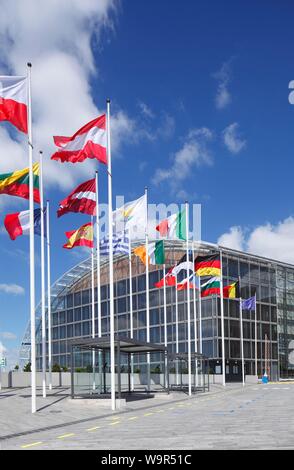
column 87, row 142
column 13, row 102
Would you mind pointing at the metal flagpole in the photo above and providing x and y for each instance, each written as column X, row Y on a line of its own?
column 195, row 324
column 131, row 308
column 165, row 325
column 188, row 302
column 200, row 324
column 49, row 297
column 242, row 342
column 110, row 232
column 42, row 279
column 147, row 291
column 177, row 331
column 32, row 247
column 93, row 308
column 222, row 320
column 255, row 334
column 98, row 278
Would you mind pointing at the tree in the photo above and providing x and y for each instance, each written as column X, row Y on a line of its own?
column 16, row 367
column 27, row 367
column 56, row 368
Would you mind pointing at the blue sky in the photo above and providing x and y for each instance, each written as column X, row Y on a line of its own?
column 199, row 95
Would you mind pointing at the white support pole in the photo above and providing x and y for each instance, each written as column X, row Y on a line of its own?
column 111, row 290
column 147, row 291
column 188, row 303
column 165, row 325
column 43, row 279
column 32, row 248
column 195, row 326
column 131, row 308
column 177, row 330
column 222, row 321
column 255, row 335
column 93, row 309
column 49, row 296
column 242, row 342
column 98, row 277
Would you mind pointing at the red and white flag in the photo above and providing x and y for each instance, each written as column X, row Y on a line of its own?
column 88, row 142
column 13, row 101
column 82, row 199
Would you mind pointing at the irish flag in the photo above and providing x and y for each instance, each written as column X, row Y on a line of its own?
column 174, row 227
column 17, row 183
column 155, row 254
column 83, row 236
column 87, row 142
column 13, row 102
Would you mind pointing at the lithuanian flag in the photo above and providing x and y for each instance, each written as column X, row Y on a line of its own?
column 208, row 265
column 156, row 253
column 83, row 236
column 17, row 183
column 232, row 291
column 211, row 287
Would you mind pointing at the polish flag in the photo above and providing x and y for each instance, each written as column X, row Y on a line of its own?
column 88, row 142
column 13, row 102
column 82, row 199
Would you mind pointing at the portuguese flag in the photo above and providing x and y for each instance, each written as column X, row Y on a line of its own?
column 232, row 291
column 17, row 183
column 208, row 265
column 155, row 254
column 211, row 287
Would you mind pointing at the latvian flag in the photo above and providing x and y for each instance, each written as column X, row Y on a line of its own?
column 19, row 223
column 82, row 199
column 13, row 102
column 87, row 142
column 208, row 265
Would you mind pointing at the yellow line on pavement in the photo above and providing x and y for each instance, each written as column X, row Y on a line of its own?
column 66, row 435
column 114, row 422
column 31, row 445
column 148, row 414
column 159, row 411
column 93, row 429
column 133, row 417
column 171, row 408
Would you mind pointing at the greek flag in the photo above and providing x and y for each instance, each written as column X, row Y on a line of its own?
column 120, row 245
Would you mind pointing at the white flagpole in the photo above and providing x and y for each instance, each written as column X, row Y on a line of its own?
column 165, row 324
column 98, row 277
column 93, row 309
column 147, row 290
column 188, row 302
column 255, row 333
column 32, row 247
column 195, row 325
column 242, row 342
column 131, row 308
column 49, row 297
column 177, row 331
column 42, row 278
column 111, row 293
column 222, row 321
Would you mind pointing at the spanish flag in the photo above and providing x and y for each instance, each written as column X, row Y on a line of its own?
column 208, row 265
column 83, row 236
column 232, row 291
column 17, row 183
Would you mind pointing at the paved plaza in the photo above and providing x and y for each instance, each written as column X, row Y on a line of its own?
column 254, row 417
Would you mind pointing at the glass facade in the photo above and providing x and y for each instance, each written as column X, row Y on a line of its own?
column 268, row 333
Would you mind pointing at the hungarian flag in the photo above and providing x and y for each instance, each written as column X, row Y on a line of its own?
column 87, row 142
column 13, row 102
column 232, row 291
column 83, row 236
column 208, row 265
column 82, row 199
column 183, row 264
column 155, row 253
column 174, row 227
column 19, row 223
column 17, row 183
column 211, row 287
column 169, row 280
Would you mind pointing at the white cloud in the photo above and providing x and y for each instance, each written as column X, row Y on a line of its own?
column 232, row 139
column 12, row 289
column 58, row 39
column 194, row 153
column 268, row 240
column 146, row 110
column 8, row 335
column 223, row 96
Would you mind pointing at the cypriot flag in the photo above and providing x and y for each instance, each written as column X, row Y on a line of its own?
column 131, row 217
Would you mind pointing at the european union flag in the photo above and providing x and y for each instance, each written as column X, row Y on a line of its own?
column 249, row 304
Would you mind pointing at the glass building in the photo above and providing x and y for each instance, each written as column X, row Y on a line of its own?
column 271, row 331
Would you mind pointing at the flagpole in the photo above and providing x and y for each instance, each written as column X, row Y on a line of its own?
column 111, row 290
column 131, row 308
column 98, row 277
column 177, row 331
column 32, row 247
column 188, row 302
column 147, row 290
column 222, row 320
column 242, row 343
column 165, row 325
column 195, row 324
column 49, row 297
column 42, row 278
column 255, row 333
column 93, row 308
column 200, row 324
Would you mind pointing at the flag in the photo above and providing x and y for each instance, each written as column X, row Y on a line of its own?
column 210, row 287
column 88, row 142
column 249, row 304
column 191, row 281
column 170, row 280
column 83, row 236
column 231, row 291
column 19, row 223
column 174, row 227
column 82, row 199
column 120, row 244
column 17, row 183
column 13, row 102
column 131, row 217
column 208, row 265
column 183, row 264
column 156, row 253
